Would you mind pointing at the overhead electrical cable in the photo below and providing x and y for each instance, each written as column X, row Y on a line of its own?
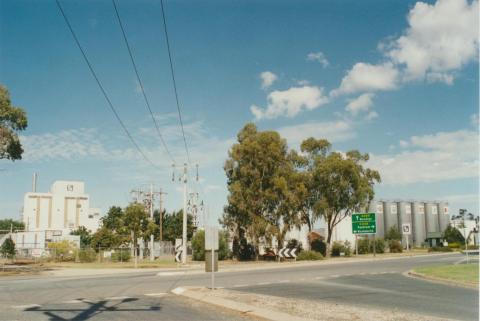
column 147, row 103
column 174, row 81
column 94, row 74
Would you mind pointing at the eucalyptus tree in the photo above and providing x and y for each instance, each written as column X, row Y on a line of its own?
column 257, row 171
column 12, row 120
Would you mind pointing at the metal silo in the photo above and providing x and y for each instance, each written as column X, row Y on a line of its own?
column 405, row 217
column 377, row 208
column 390, row 215
column 443, row 215
column 418, row 220
column 431, row 217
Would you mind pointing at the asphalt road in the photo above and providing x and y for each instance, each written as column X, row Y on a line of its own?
column 145, row 296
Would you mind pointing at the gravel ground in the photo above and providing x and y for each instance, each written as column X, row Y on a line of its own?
column 318, row 310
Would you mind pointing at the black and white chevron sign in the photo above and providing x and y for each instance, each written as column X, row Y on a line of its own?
column 287, row 253
column 178, row 253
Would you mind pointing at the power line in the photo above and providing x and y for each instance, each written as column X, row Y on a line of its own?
column 140, row 81
column 110, row 104
column 174, row 81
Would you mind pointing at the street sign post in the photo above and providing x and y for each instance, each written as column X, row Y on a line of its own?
column 406, row 230
column 211, row 247
column 364, row 223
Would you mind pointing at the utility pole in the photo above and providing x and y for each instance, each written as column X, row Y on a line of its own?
column 161, row 193
column 184, row 230
column 151, row 219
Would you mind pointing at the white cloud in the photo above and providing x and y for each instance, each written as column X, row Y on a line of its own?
column 367, row 77
column 403, row 143
column 334, row 131
column 319, row 57
column 361, row 103
column 371, row 115
column 440, row 39
column 303, row 82
column 290, row 102
column 268, row 78
column 438, row 157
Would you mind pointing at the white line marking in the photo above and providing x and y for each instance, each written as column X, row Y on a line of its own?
column 26, row 306
column 284, row 281
column 263, row 283
column 118, row 298
column 319, row 278
column 156, row 294
column 170, row 273
column 239, row 285
column 334, row 276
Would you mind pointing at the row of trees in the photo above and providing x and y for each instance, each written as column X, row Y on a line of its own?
column 273, row 189
column 120, row 226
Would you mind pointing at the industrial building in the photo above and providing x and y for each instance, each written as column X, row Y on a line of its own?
column 52, row 216
column 428, row 220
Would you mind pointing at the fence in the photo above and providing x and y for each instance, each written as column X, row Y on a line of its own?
column 68, row 252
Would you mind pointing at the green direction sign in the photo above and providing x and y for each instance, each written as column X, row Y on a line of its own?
column 364, row 223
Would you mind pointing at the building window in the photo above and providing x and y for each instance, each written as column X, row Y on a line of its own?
column 90, row 216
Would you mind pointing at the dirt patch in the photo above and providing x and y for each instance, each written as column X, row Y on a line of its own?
column 316, row 310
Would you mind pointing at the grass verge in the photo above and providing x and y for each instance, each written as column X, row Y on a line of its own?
column 458, row 273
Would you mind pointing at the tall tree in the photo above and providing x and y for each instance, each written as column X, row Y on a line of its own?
column 343, row 185
column 256, row 183
column 85, row 236
column 12, row 120
column 173, row 225
column 136, row 221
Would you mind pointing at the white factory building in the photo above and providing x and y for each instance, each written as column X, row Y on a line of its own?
column 51, row 216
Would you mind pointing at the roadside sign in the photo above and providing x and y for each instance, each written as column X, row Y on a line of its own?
column 364, row 223
column 406, row 229
column 288, row 253
column 211, row 238
column 178, row 250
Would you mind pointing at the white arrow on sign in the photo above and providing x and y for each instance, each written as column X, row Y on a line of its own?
column 287, row 253
column 178, row 257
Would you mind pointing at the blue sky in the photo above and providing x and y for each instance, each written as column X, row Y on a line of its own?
column 397, row 79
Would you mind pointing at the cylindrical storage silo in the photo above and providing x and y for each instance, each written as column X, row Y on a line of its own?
column 390, row 215
column 431, row 217
column 405, row 217
column 418, row 220
column 377, row 208
column 443, row 216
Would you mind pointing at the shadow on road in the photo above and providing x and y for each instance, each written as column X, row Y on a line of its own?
column 94, row 309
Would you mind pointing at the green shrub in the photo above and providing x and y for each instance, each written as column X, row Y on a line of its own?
column 8, row 248
column 341, row 247
column 121, row 255
column 363, row 246
column 319, row 246
column 440, row 249
column 62, row 251
column 347, row 248
column 395, row 246
column 309, row 256
column 455, row 245
column 198, row 246
column 87, row 255
column 379, row 246
column 393, row 234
